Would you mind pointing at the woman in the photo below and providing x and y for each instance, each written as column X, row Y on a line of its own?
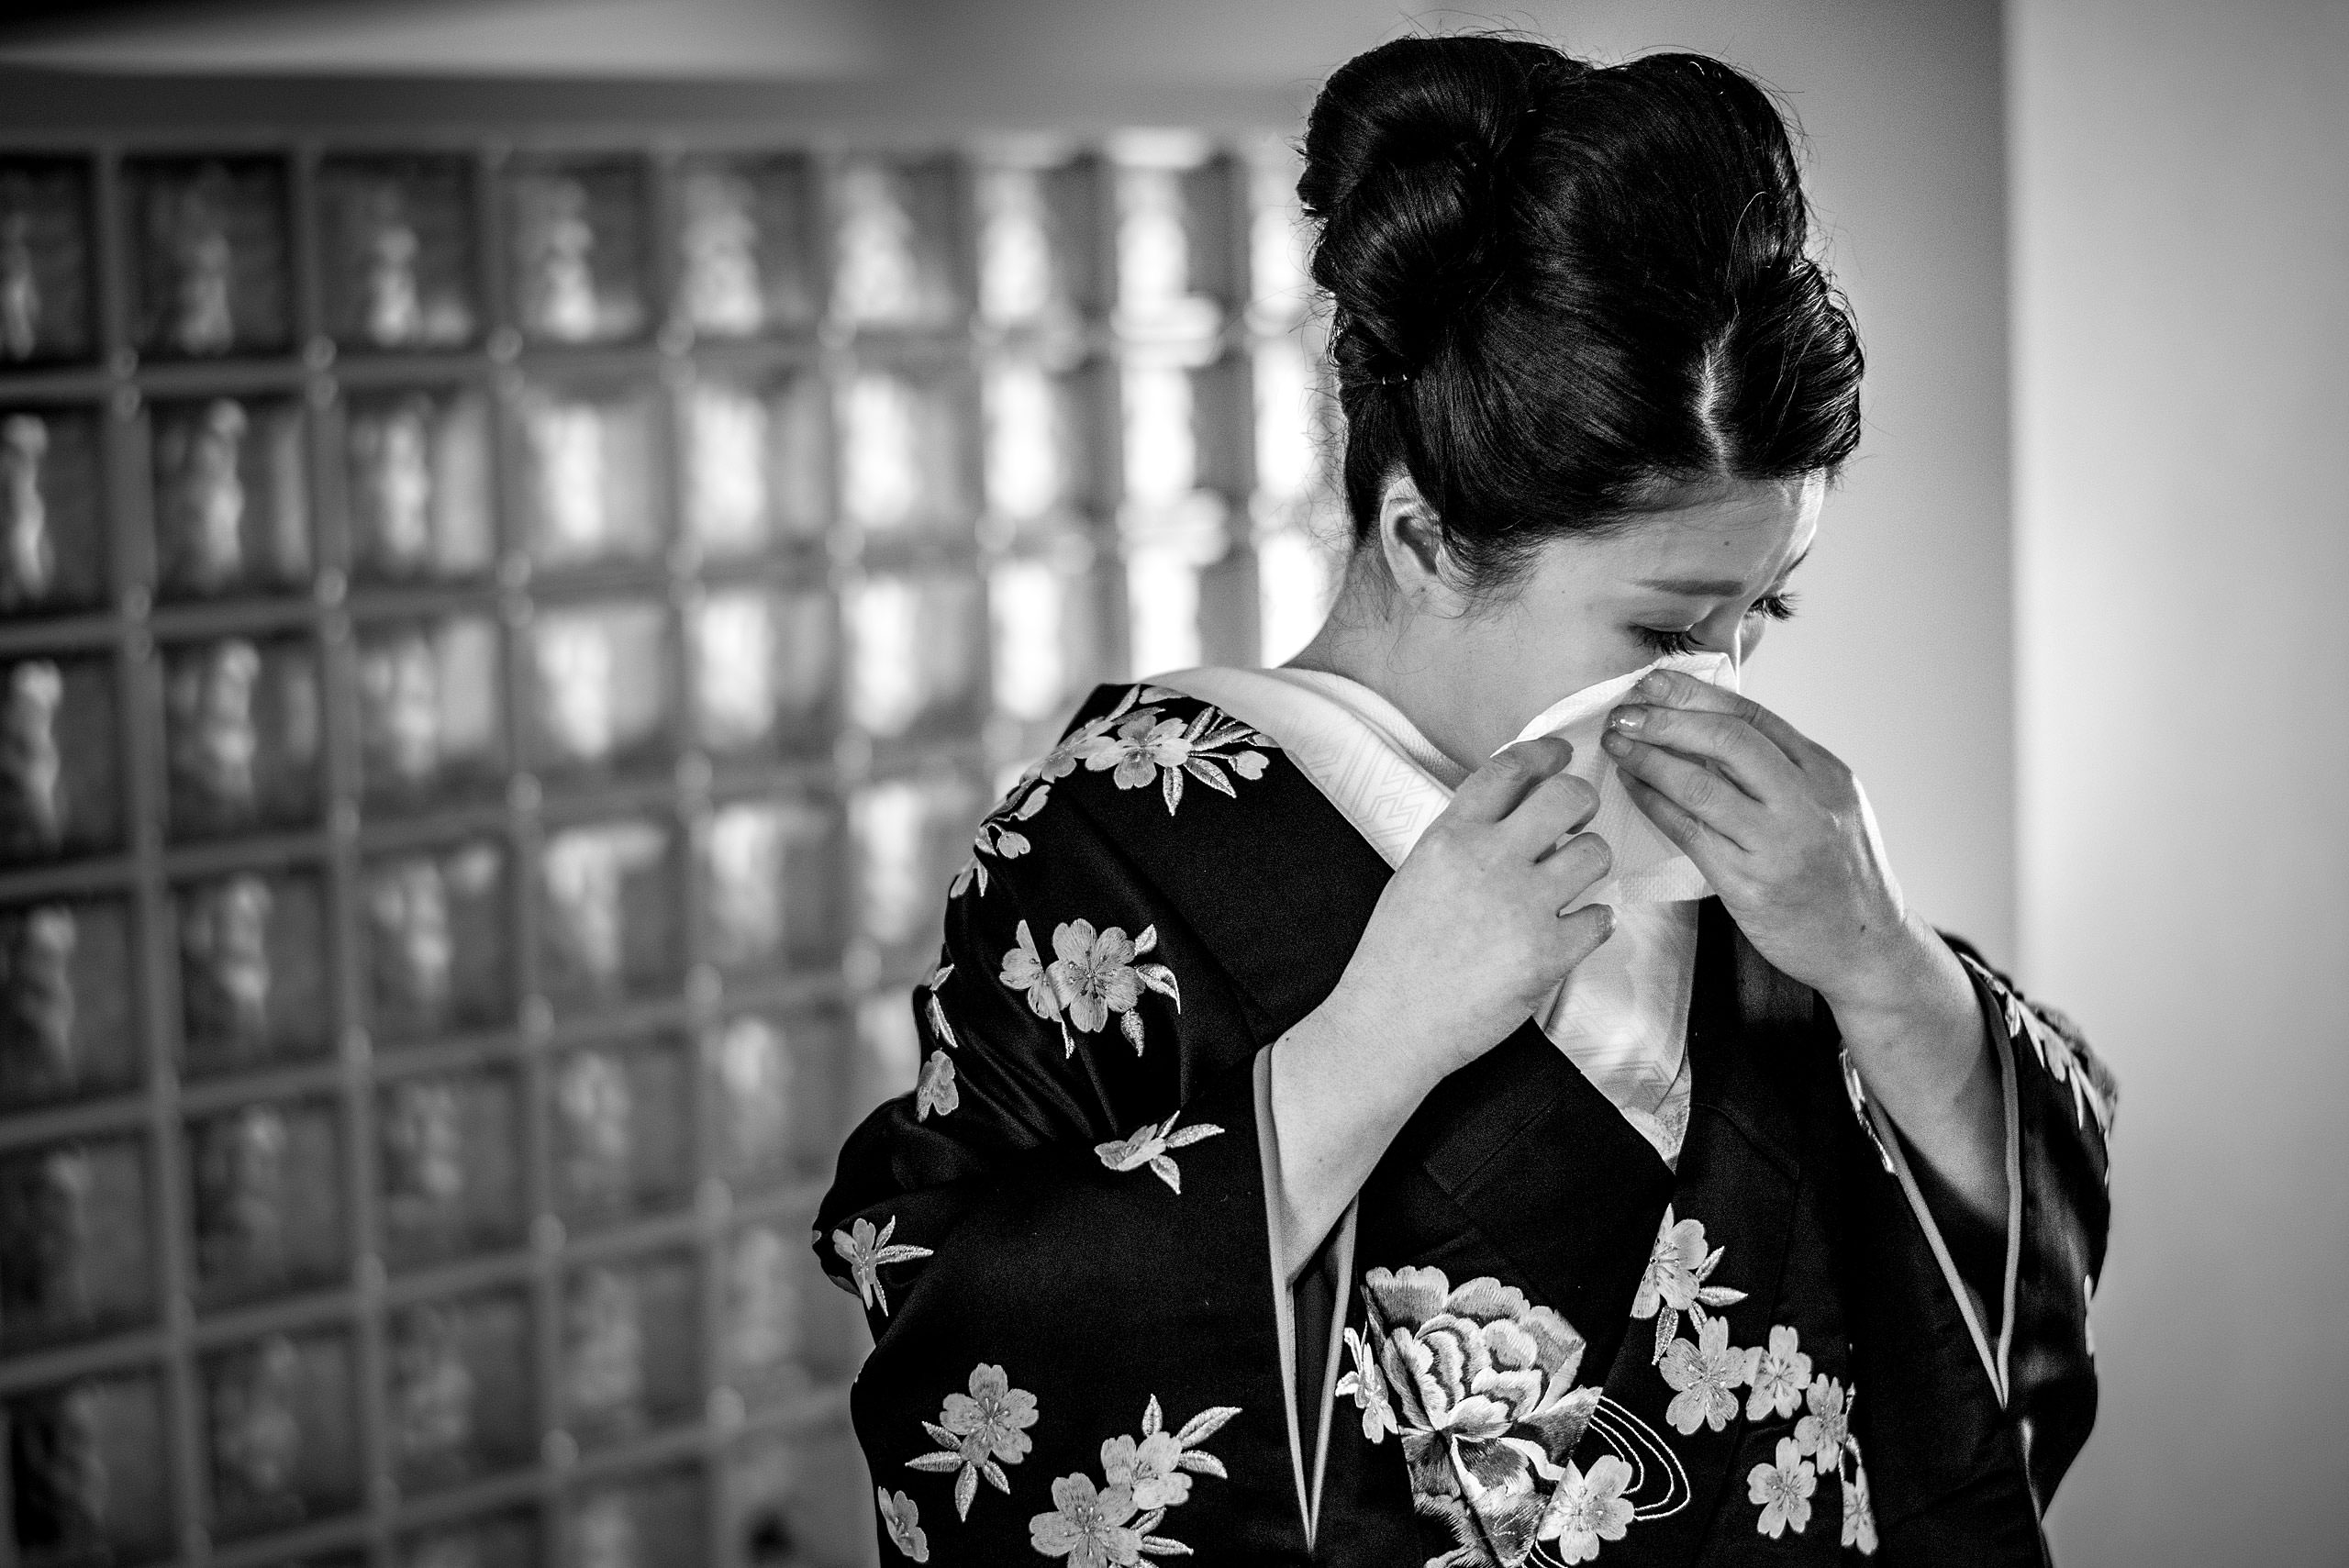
column 1376, row 1111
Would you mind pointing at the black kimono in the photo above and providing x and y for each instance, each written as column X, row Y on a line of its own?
column 1531, row 1340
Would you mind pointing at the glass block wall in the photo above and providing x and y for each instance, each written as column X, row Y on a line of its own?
column 501, row 652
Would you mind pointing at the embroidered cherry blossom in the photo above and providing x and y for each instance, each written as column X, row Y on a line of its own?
column 1146, row 746
column 867, row 1252
column 937, row 1091
column 1367, row 1388
column 1673, row 1282
column 935, row 1009
column 1095, row 976
column 1859, row 1510
column 1781, row 1371
column 1087, row 1525
column 1587, row 1508
column 1023, row 971
column 1707, row 1374
column 978, row 1433
column 901, row 1518
column 1822, row 1433
column 1033, row 789
column 1784, row 1491
column 1151, row 1473
column 1149, row 1146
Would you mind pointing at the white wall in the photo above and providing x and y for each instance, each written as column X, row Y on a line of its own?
column 2181, row 282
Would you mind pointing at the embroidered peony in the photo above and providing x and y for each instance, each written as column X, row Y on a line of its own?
column 1780, row 1373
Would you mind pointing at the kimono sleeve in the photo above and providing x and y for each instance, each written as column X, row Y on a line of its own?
column 1060, row 1239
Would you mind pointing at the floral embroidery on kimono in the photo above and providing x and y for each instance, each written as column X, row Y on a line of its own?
column 2059, row 1047
column 902, row 1518
column 1149, row 1146
column 866, row 1251
column 1674, row 1282
column 1783, row 1488
column 937, row 1091
column 1092, row 976
column 978, row 1433
column 1094, row 1526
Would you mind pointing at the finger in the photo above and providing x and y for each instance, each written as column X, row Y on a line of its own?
column 1699, row 842
column 1670, row 688
column 1509, row 775
column 1695, row 789
column 1731, row 744
column 1583, row 932
column 1551, row 810
column 1580, row 864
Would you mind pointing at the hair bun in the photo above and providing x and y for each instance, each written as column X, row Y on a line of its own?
column 1406, row 167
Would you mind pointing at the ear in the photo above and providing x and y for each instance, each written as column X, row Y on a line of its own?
column 1410, row 541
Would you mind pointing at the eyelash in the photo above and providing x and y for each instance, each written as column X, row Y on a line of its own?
column 1779, row 606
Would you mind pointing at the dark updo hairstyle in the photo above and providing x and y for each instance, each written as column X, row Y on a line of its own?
column 1566, row 294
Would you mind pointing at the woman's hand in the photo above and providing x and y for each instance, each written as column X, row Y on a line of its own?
column 1783, row 832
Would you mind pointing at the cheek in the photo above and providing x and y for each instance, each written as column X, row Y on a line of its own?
column 1749, row 636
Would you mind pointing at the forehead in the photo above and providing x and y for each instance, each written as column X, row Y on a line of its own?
column 1748, row 531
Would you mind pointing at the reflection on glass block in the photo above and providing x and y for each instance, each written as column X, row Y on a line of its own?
column 602, row 683
column 428, row 708
column 1288, row 420
column 66, row 988
column 241, row 728
column 1161, row 437
column 450, row 1165
column 252, row 970
column 1164, row 604
column 902, row 446
column 232, row 505
column 764, row 668
column 59, row 789
column 588, row 490
column 911, row 834
column 629, row 1346
column 51, row 530
column 1174, row 230
column 1280, row 288
column 434, row 929
column 398, row 261
column 268, row 1208
column 777, row 1085
column 755, row 464
column 418, row 470
column 610, row 924
column 88, row 1476
column 745, row 245
column 578, row 250
column 771, row 885
column 787, row 1504
column 888, row 1052
column 74, row 1229
column 44, row 260
column 1050, row 642
column 500, row 1541
column 762, row 1331
column 459, row 1401
column 215, row 272
column 623, row 1120
column 643, row 1522
column 285, row 1446
column 1040, row 429
column 892, row 261
column 915, row 654
column 1296, row 579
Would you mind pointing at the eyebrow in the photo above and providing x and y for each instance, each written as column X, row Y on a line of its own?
column 1714, row 587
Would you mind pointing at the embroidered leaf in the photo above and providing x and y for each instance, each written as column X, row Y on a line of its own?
column 940, row 1435
column 1130, row 1023
column 1147, row 941
column 1133, row 695
column 995, row 1477
column 1667, row 1325
column 1720, row 1296
column 1170, row 784
column 1203, row 1464
column 1166, row 1171
column 939, row 1026
column 1161, row 979
column 1205, row 1424
column 966, row 1486
column 1152, row 1419
column 946, row 1460
column 1149, row 1521
column 1159, row 1546
column 1207, row 774
column 1191, row 1134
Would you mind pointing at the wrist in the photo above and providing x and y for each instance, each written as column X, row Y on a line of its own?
column 1910, row 979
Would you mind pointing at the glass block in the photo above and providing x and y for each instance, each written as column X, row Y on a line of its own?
column 630, row 1346
column 437, row 933
column 647, row 1521
column 252, row 970
column 73, row 1226
column 755, row 462
column 776, row 1082
column 1280, row 285
column 1290, row 414
column 430, row 718
column 53, row 525
column 45, row 261
column 89, row 1478
column 903, row 446
column 214, row 272
column 1052, row 637
column 602, row 684
column 1175, row 239
column 241, row 733
column 458, row 1405
column 398, row 258
column 609, row 926
column 231, row 506
column 910, row 834
column 894, row 244
column 59, row 783
column 416, row 466
column 450, row 1165
column 285, row 1446
column 1042, row 424
column 623, row 1128
column 508, row 1539
column 771, row 886
column 789, row 1500
column 1035, row 243
column 268, row 1200
column 888, row 1052
column 66, row 1023
column 762, row 1336
column 578, row 228
column 1296, row 581
column 766, row 667
column 917, row 654
column 588, row 476
column 744, row 249
column 1167, row 608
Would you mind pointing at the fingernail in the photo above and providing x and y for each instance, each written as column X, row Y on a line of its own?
column 1626, row 717
column 1615, row 741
